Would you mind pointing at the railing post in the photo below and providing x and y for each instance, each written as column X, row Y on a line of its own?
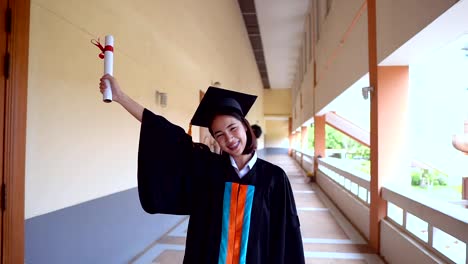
column 466, row 254
column 465, row 190
column 405, row 214
column 430, row 235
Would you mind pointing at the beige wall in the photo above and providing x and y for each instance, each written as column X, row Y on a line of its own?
column 277, row 105
column 276, row 135
column 277, row 102
column 342, row 58
column 340, row 65
column 79, row 148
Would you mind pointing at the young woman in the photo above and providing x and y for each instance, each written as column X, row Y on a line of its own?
column 241, row 208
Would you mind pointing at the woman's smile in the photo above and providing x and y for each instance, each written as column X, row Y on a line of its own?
column 230, row 134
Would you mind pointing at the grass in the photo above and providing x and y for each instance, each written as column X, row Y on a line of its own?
column 443, row 193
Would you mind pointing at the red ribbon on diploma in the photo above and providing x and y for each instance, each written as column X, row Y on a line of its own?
column 103, row 49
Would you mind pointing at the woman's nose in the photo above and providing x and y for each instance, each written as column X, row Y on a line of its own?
column 229, row 137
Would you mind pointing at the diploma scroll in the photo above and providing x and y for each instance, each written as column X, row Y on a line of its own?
column 108, row 67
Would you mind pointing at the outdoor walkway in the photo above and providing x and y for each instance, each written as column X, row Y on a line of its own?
column 327, row 236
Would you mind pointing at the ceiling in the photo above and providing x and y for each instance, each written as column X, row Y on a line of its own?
column 451, row 27
column 276, row 31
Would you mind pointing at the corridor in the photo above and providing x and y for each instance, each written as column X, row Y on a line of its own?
column 327, row 236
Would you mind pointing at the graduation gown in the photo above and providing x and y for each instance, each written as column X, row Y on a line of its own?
column 252, row 219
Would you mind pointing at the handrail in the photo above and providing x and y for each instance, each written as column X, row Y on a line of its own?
column 304, row 154
column 361, row 180
column 307, row 161
column 448, row 218
column 443, row 216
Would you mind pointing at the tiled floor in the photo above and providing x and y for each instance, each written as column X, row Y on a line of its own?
column 328, row 238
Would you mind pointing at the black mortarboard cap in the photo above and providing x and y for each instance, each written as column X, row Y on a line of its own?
column 217, row 100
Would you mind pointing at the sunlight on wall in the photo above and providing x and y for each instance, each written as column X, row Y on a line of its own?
column 169, row 46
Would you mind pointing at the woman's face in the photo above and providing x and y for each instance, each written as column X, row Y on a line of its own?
column 230, row 134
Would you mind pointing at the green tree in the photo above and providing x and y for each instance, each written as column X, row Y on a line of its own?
column 311, row 138
column 339, row 140
column 334, row 138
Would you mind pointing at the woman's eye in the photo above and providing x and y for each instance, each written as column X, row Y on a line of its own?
column 233, row 128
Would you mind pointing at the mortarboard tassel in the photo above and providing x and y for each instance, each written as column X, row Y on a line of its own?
column 189, row 132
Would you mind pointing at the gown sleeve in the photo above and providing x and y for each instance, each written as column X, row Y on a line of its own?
column 166, row 166
column 286, row 239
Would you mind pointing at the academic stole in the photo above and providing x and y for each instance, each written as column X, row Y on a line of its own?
column 237, row 207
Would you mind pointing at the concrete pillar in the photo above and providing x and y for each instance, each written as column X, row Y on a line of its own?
column 389, row 108
column 320, row 140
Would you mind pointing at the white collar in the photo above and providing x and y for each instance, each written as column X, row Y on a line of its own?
column 249, row 164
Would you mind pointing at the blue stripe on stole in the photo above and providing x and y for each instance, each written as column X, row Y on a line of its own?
column 246, row 223
column 225, row 226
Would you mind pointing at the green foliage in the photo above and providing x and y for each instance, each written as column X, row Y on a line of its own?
column 311, row 138
column 334, row 138
column 425, row 177
column 415, row 178
column 337, row 140
column 442, row 181
column 363, row 152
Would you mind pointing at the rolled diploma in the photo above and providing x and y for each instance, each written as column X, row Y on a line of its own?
column 108, row 69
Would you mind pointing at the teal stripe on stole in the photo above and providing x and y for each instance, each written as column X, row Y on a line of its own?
column 225, row 226
column 246, row 223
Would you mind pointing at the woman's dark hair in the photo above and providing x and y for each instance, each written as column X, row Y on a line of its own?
column 257, row 130
column 251, row 144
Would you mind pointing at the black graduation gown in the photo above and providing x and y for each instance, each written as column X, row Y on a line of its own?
column 252, row 219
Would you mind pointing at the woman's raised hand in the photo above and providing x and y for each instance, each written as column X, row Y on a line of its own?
column 117, row 93
column 120, row 97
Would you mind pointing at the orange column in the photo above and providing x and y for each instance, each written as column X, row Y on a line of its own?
column 377, row 206
column 320, row 140
column 388, row 139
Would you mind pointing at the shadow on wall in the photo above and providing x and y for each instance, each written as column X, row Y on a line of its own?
column 112, row 229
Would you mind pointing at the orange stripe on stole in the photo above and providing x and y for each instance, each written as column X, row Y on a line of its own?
column 232, row 223
column 236, row 219
column 239, row 221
